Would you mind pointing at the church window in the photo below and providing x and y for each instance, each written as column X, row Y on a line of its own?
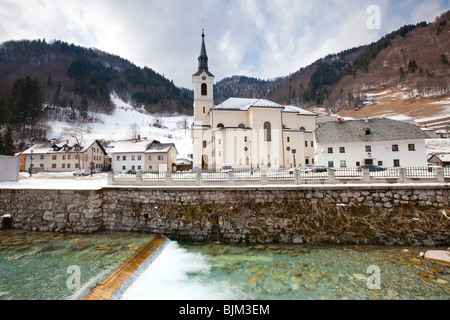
column 267, row 131
column 204, row 89
column 220, row 125
column 241, row 126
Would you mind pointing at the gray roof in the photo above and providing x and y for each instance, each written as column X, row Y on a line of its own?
column 157, row 147
column 244, row 104
column 356, row 131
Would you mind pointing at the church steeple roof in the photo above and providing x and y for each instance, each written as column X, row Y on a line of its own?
column 203, row 58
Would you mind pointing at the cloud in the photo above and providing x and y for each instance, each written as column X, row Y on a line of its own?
column 260, row 38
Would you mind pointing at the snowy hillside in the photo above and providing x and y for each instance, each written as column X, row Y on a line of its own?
column 118, row 126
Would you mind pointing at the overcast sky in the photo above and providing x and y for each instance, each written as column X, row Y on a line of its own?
column 260, row 38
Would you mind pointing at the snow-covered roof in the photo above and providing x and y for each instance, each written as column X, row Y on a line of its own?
column 157, row 147
column 59, row 147
column 444, row 157
column 244, row 104
column 130, row 146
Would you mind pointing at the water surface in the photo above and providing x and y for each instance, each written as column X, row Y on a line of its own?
column 232, row 272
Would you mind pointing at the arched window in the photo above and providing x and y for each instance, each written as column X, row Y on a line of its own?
column 267, row 132
column 220, row 125
column 241, row 126
column 302, row 129
column 204, row 89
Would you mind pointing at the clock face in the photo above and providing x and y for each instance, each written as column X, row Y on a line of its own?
column 204, row 78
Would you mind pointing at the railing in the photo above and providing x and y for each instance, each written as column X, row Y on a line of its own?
column 292, row 176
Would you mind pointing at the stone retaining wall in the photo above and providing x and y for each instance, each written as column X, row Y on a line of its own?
column 387, row 215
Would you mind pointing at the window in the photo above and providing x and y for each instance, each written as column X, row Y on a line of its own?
column 63, row 165
column 302, row 129
column 380, row 163
column 341, row 149
column 343, row 163
column 139, row 167
column 330, row 150
column 118, row 158
column 368, row 148
column 139, row 158
column 133, row 168
column 306, row 144
column 330, row 164
column 411, row 147
column 124, row 158
column 124, row 168
column 77, row 165
column 42, row 157
column 204, row 89
column 395, row 147
column 312, row 144
column 133, row 158
column 288, row 139
column 204, row 144
column 246, row 139
column 150, row 168
column 358, row 163
column 267, row 132
column 150, row 158
column 204, row 109
column 160, row 158
column 41, row 165
column 396, row 163
column 53, row 157
column 241, row 126
column 64, row 157
column 220, row 125
column 54, row 165
column 68, row 166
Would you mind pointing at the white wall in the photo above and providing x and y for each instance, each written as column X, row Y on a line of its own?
column 128, row 163
column 380, row 151
column 9, row 168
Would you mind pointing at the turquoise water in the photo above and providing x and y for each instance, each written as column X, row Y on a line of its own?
column 233, row 272
column 41, row 266
column 49, row 266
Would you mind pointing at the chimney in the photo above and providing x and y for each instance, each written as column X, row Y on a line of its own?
column 367, row 120
column 340, row 120
column 139, row 137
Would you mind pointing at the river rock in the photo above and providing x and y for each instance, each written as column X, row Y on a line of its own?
column 438, row 256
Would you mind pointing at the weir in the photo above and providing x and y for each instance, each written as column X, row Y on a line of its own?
column 112, row 283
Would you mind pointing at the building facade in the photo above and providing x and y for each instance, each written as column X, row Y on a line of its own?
column 65, row 156
column 143, row 155
column 381, row 142
column 247, row 133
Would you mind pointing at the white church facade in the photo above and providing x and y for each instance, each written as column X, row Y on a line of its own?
column 247, row 133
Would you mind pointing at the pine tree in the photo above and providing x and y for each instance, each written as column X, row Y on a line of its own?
column 8, row 143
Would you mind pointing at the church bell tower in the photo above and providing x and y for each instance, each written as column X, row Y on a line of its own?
column 202, row 82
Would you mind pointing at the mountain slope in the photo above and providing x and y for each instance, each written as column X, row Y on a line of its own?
column 69, row 74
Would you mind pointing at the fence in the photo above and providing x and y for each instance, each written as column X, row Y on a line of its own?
column 283, row 176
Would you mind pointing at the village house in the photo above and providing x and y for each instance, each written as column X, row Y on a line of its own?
column 143, row 154
column 440, row 159
column 381, row 142
column 247, row 133
column 65, row 156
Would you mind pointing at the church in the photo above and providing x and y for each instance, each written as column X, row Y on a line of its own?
column 247, row 133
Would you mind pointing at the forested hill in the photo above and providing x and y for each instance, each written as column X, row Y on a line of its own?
column 80, row 80
column 414, row 58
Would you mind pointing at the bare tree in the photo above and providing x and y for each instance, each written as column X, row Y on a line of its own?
column 78, row 132
column 134, row 131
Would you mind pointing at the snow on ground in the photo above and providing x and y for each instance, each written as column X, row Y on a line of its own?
column 117, row 126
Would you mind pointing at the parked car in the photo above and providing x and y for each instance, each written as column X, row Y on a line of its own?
column 106, row 169
column 305, row 169
column 320, row 169
column 226, row 168
column 129, row 172
column 82, row 173
column 372, row 168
